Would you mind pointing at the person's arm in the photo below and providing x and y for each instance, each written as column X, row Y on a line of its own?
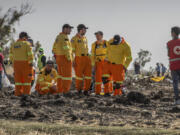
column 67, row 48
column 55, row 76
column 93, row 54
column 73, row 44
column 2, row 62
column 108, row 45
column 128, row 55
column 4, row 66
column 43, row 60
column 87, row 48
column 55, row 46
column 42, row 82
column 30, row 54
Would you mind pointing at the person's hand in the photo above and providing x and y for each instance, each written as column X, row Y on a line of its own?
column 54, row 87
column 68, row 57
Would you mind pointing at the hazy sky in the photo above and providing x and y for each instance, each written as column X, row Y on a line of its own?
column 143, row 23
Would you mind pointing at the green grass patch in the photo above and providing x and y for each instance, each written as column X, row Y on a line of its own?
column 37, row 128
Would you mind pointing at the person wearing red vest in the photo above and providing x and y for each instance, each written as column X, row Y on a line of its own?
column 174, row 59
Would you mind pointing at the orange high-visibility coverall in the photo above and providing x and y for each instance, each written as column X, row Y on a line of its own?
column 117, row 60
column 98, row 54
column 82, row 65
column 46, row 81
column 32, row 73
column 22, row 58
column 62, row 49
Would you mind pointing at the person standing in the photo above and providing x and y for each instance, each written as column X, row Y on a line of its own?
column 22, row 58
column 137, row 68
column 62, row 50
column 41, row 59
column 173, row 47
column 158, row 69
column 163, row 69
column 117, row 61
column 82, row 62
column 98, row 54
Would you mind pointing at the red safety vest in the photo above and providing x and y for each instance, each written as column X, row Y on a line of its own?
column 174, row 54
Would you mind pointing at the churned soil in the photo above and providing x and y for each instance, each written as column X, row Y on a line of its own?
column 145, row 105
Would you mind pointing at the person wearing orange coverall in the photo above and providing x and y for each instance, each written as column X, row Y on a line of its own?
column 82, row 62
column 117, row 61
column 47, row 79
column 22, row 58
column 62, row 50
column 98, row 54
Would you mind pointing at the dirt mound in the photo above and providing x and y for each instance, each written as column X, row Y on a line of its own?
column 175, row 110
column 138, row 97
column 139, row 108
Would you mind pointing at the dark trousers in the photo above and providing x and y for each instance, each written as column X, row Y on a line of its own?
column 158, row 73
column 176, row 78
column 137, row 71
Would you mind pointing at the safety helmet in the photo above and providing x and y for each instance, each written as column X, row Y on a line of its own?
column 41, row 50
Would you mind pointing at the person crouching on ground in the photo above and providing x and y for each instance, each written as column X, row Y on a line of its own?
column 47, row 79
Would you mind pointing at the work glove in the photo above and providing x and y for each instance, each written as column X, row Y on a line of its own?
column 54, row 88
column 125, row 69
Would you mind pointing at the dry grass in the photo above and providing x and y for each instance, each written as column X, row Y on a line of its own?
column 36, row 128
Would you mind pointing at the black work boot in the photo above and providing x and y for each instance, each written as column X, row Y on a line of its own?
column 107, row 95
column 68, row 95
column 86, row 93
column 79, row 92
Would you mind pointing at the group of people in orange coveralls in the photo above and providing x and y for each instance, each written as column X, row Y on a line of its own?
column 110, row 59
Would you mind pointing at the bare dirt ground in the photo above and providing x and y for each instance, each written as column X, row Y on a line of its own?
column 146, row 104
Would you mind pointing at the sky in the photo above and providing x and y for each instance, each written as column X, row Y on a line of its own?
column 145, row 24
